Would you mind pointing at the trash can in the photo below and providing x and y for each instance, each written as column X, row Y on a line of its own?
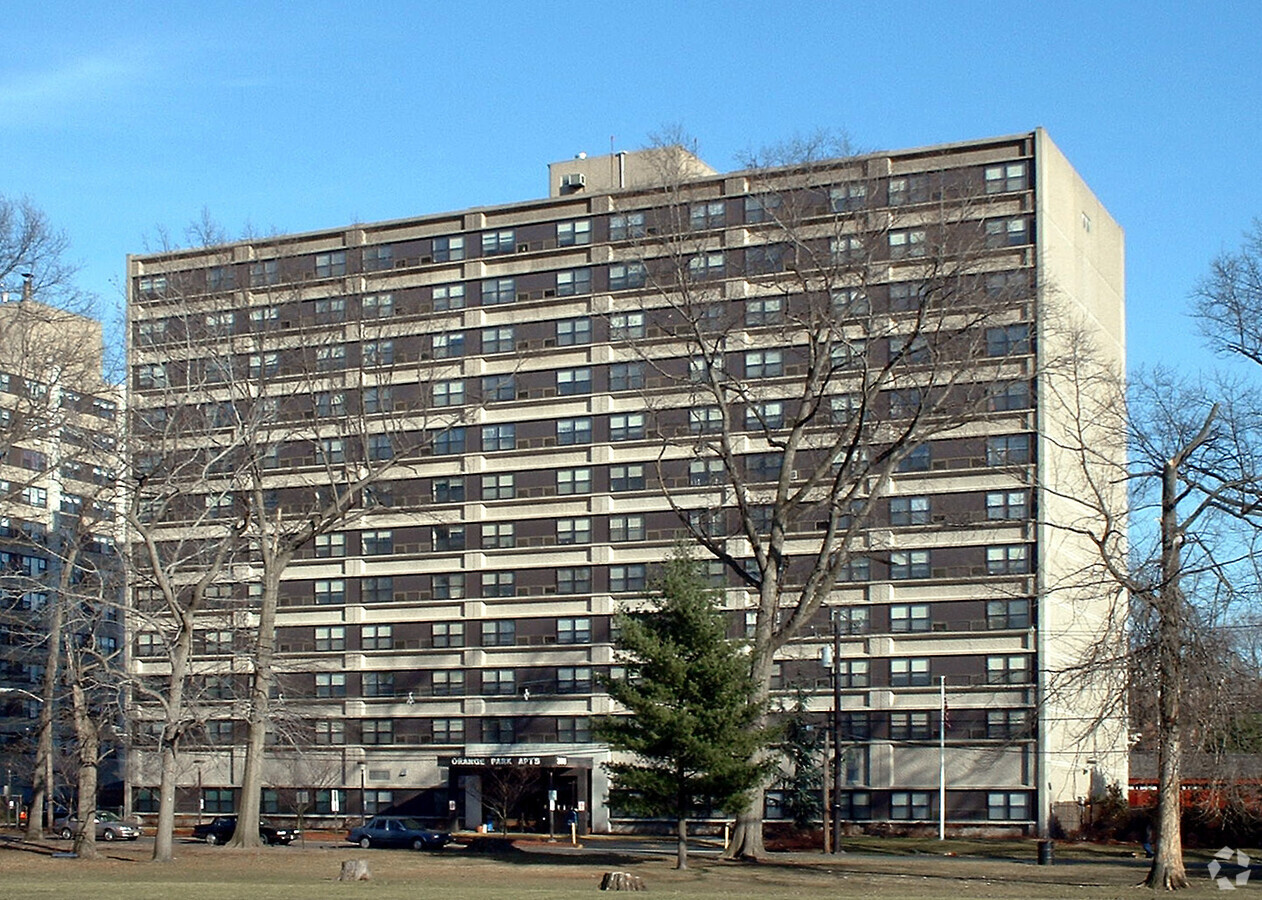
column 1045, row 853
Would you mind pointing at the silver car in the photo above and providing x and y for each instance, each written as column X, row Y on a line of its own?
column 109, row 827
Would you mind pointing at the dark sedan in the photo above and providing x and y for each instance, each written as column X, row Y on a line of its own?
column 219, row 829
column 397, row 831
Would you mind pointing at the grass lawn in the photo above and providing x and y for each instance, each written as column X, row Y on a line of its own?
column 917, row 870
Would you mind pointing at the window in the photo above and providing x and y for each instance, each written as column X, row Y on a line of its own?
column 1007, row 669
column 853, row 673
column 448, row 634
column 1007, row 505
column 572, row 282
column 626, row 376
column 846, row 249
column 218, row 801
column 499, row 633
column 38, row 497
column 1002, row 614
column 914, row 726
column 499, row 437
column 627, row 226
column 448, row 490
column 571, row 332
column 908, row 243
column 1006, row 805
column 574, row 580
column 1007, row 284
column 498, row 340
column 448, row 296
column 449, row 587
column 330, row 359
column 909, row 349
column 853, row 619
column 908, row 189
column 1007, row 449
column 707, row 265
column 909, row 672
column 498, row 242
column 499, row 487
column 1010, row 559
column 447, row 538
column 330, row 545
column 628, row 275
column 574, row 531
column 766, row 415
column 764, row 466
column 264, row 364
column 765, row 258
column 764, row 311
column 330, row 591
column 496, row 291
column 330, row 264
column 380, row 447
column 498, row 535
column 845, row 407
column 378, row 684
column 378, row 399
column 574, row 381
column 379, row 589
column 574, row 631
column 330, row 731
column 762, row 208
column 330, row 684
column 764, row 363
column 264, row 272
column 1008, row 232
column 626, row 426
column 378, row 353
column 626, row 325
column 706, row 215
column 151, row 375
column 573, row 729
column 219, row 642
column 626, row 528
column 626, row 478
column 498, row 730
column 1008, row 340
column 378, row 257
column 1007, row 724
column 909, row 564
column 447, row 683
column 377, row 731
column 628, row 578
column 376, row 637
column 574, row 679
column 848, row 196
column 449, row 393
column 498, row 388
column 447, row 731
column 498, row 584
column 905, row 402
column 705, row 420
column 574, row 481
column 448, row 249
column 1004, row 178
column 573, row 234
column 449, row 345
column 907, row 617
column 910, row 805
column 450, row 440
column 909, row 511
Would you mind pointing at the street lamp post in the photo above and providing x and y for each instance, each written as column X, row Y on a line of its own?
column 201, row 795
column 831, row 658
column 363, row 794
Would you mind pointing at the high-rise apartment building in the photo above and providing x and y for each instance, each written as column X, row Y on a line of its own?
column 58, row 569
column 835, row 368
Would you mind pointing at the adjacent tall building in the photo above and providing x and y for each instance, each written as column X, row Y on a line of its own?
column 833, row 378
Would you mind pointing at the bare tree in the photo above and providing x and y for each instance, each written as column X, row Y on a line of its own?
column 872, row 330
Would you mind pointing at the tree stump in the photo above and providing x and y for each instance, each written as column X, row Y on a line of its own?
column 355, row 870
column 622, row 881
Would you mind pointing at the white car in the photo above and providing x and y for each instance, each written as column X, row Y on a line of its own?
column 109, row 827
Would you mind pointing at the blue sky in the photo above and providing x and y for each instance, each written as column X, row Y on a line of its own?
column 126, row 117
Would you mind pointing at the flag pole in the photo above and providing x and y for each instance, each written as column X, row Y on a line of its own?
column 942, row 757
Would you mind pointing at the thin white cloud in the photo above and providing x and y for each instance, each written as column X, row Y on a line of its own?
column 35, row 94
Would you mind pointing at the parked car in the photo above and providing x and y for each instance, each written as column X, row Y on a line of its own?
column 219, row 829
column 109, row 827
column 397, row 831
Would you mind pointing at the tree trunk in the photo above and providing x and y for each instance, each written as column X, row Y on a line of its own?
column 163, row 839
column 747, row 836
column 41, row 788
column 681, row 843
column 88, row 738
column 168, row 743
column 1168, row 871
column 247, row 833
